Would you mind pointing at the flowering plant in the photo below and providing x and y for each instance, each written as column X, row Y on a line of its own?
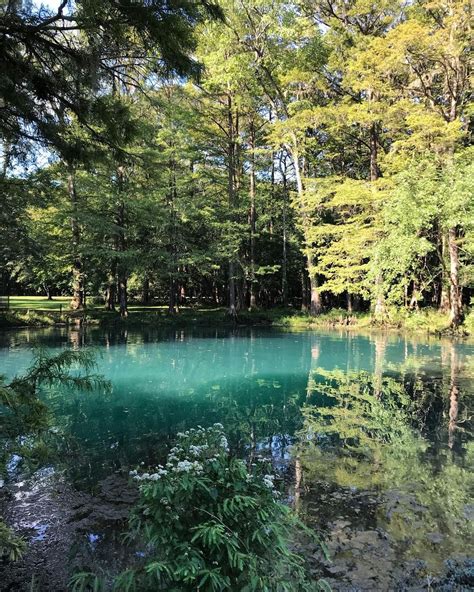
column 212, row 523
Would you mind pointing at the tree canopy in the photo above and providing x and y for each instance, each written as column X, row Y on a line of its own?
column 242, row 154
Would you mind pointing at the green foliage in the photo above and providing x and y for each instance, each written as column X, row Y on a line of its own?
column 91, row 51
column 12, row 547
column 88, row 582
column 416, row 210
column 209, row 522
column 24, row 417
column 292, row 154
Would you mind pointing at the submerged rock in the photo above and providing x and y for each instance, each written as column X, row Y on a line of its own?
column 365, row 557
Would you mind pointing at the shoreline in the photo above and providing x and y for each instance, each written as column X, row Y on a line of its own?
column 429, row 323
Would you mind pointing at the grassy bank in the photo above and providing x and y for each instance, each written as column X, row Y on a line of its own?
column 33, row 311
column 427, row 320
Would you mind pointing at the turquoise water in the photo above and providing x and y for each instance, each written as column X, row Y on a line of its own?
column 252, row 380
column 413, row 452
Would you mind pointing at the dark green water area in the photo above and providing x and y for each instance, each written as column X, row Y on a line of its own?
column 387, row 478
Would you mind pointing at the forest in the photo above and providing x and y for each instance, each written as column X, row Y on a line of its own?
column 247, row 154
column 176, row 176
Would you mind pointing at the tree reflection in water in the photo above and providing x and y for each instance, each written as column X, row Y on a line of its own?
column 390, row 436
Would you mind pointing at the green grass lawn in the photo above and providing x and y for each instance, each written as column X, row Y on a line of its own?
column 39, row 303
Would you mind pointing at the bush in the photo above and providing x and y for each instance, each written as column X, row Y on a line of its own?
column 212, row 523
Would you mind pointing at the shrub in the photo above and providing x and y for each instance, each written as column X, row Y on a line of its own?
column 212, row 523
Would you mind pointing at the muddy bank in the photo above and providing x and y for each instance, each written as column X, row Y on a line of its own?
column 70, row 530
column 65, row 529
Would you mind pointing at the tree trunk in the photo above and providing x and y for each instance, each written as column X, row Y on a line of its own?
column 444, row 301
column 172, row 308
column 454, row 87
column 182, row 295
column 146, row 290
column 123, row 296
column 414, row 297
column 77, row 301
column 215, row 289
column 374, row 167
column 121, row 246
column 111, row 290
column 240, row 294
column 284, row 263
column 456, row 316
column 172, row 295
column 231, row 200
column 252, row 219
column 315, row 302
column 305, row 300
column 232, row 303
column 6, row 160
column 349, row 303
column 379, row 307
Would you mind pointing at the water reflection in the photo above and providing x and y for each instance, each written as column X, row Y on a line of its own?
column 376, row 434
column 401, row 437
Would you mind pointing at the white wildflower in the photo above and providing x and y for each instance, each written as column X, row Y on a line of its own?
column 268, row 481
column 184, row 466
column 198, row 468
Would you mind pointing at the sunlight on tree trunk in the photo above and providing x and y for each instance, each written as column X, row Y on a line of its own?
column 456, row 312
